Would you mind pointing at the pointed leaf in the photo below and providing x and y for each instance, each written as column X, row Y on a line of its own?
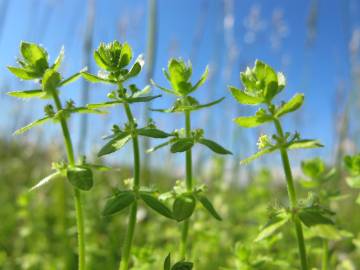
column 292, row 105
column 163, row 88
column 258, row 154
column 305, row 144
column 71, row 79
column 201, row 106
column 167, row 262
column 155, row 204
column 23, row 73
column 118, row 203
column 183, row 266
column 252, row 121
column 59, row 59
column 158, row 147
column 141, row 99
column 208, row 206
column 183, row 207
column 276, row 222
column 95, row 79
column 27, row 93
column 153, row 133
column 114, row 144
column 215, row 147
column 136, row 68
column 244, row 98
column 80, row 177
column 31, row 125
column 104, row 104
column 182, row 145
column 51, row 80
column 201, row 81
column 46, row 180
column 311, row 216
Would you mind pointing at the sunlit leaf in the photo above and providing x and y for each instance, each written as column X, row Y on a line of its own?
column 27, row 93
column 292, row 105
column 46, row 180
column 31, row 125
column 154, row 203
column 215, row 147
column 118, row 202
column 245, row 98
column 208, row 206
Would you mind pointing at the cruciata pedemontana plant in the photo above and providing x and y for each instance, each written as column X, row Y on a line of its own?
column 114, row 59
column 179, row 75
column 34, row 66
column 261, row 84
column 352, row 164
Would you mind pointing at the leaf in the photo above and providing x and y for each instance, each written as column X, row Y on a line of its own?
column 244, row 98
column 252, row 121
column 22, row 73
column 163, row 88
column 141, row 99
column 142, row 92
column 201, row 106
column 153, row 133
column 167, row 262
column 201, row 81
column 183, row 207
column 118, row 203
column 95, row 79
column 104, row 104
column 31, row 125
column 155, row 204
column 99, row 167
column 114, row 144
column 33, row 53
column 59, row 59
column 46, row 180
column 80, row 177
column 329, row 232
column 215, row 147
column 208, row 206
column 85, row 110
column 258, row 154
column 27, row 93
column 276, row 222
column 182, row 145
column 292, row 105
column 313, row 168
column 183, row 266
column 71, row 79
column 353, row 182
column 136, row 68
column 314, row 215
column 299, row 144
column 158, row 147
column 51, row 80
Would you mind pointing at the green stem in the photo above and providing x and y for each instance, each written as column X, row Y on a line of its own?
column 124, row 263
column 325, row 258
column 292, row 197
column 77, row 193
column 189, row 186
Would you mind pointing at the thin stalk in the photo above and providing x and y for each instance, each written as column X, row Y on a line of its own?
column 292, row 198
column 124, row 263
column 325, row 257
column 77, row 193
column 189, row 186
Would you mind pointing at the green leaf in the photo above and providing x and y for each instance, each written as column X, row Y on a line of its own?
column 34, row 54
column 202, row 80
column 292, row 105
column 163, row 88
column 126, row 55
column 27, row 93
column 258, row 154
column 274, row 224
column 182, row 145
column 158, row 147
column 155, row 204
column 80, row 177
column 153, row 133
column 329, row 232
column 313, row 168
column 245, row 98
column 118, row 203
column 136, row 68
column 183, row 266
column 183, row 207
column 59, row 59
column 299, row 144
column 23, row 73
column 314, row 215
column 142, row 92
column 167, row 262
column 114, row 144
column 201, row 106
column 353, row 182
column 252, row 121
column 208, row 206
column 215, row 147
column 46, row 180
column 95, row 79
column 51, row 80
column 85, row 110
column 141, row 99
column 104, row 104
column 31, row 125
column 71, row 79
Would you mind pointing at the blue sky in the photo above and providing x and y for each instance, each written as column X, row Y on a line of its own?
column 195, row 29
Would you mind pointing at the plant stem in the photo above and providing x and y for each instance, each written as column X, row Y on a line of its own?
column 124, row 263
column 292, row 197
column 325, row 258
column 77, row 193
column 189, row 186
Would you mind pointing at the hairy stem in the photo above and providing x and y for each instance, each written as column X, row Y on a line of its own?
column 77, row 193
column 124, row 263
column 189, row 186
column 292, row 197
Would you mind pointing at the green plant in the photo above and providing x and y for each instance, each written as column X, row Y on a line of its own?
column 181, row 265
column 352, row 164
column 261, row 84
column 34, row 66
column 114, row 58
column 185, row 198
